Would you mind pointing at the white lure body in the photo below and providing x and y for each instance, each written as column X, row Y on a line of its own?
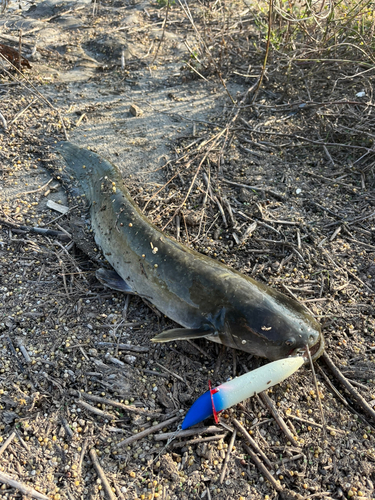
column 254, row 382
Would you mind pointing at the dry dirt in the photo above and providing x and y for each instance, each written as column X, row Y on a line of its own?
column 77, row 369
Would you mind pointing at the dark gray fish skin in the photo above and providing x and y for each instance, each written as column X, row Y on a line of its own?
column 203, row 295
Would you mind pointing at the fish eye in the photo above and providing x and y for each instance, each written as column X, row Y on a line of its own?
column 290, row 342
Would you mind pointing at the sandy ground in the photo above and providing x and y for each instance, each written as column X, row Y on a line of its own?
column 78, row 373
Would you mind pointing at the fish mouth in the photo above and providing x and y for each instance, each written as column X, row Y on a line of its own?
column 315, row 351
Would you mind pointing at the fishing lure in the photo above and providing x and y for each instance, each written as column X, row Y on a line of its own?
column 238, row 389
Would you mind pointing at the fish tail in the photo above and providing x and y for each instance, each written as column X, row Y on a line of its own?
column 82, row 163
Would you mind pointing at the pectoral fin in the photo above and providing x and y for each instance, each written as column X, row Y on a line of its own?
column 112, row 280
column 183, row 334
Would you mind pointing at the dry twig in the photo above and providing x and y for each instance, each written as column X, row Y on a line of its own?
column 96, row 411
column 190, row 442
column 23, row 488
column 189, row 432
column 147, row 432
column 348, row 386
column 262, row 468
column 7, row 442
column 229, row 451
column 314, row 424
column 122, row 406
column 83, row 453
column 101, row 474
column 256, row 188
column 170, row 372
column 244, row 432
column 280, row 421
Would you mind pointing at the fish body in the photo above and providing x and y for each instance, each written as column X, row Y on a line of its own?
column 207, row 298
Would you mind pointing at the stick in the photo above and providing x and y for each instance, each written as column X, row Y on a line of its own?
column 99, row 399
column 190, row 432
column 170, row 372
column 181, row 444
column 26, row 490
column 294, row 457
column 163, row 33
column 23, row 442
column 124, row 347
column 317, row 394
column 68, row 431
column 242, row 429
column 18, row 115
column 196, row 71
column 157, row 374
column 280, row 421
column 256, row 188
column 3, row 121
column 7, row 443
column 35, row 190
column 269, row 32
column 38, row 230
column 96, row 411
column 100, row 472
column 221, row 211
column 83, row 452
column 263, row 469
column 348, row 386
column 178, row 227
column 229, row 451
column 314, row 424
column 20, row 50
column 117, row 488
column 147, row 432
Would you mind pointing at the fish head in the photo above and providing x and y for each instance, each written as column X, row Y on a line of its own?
column 273, row 330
